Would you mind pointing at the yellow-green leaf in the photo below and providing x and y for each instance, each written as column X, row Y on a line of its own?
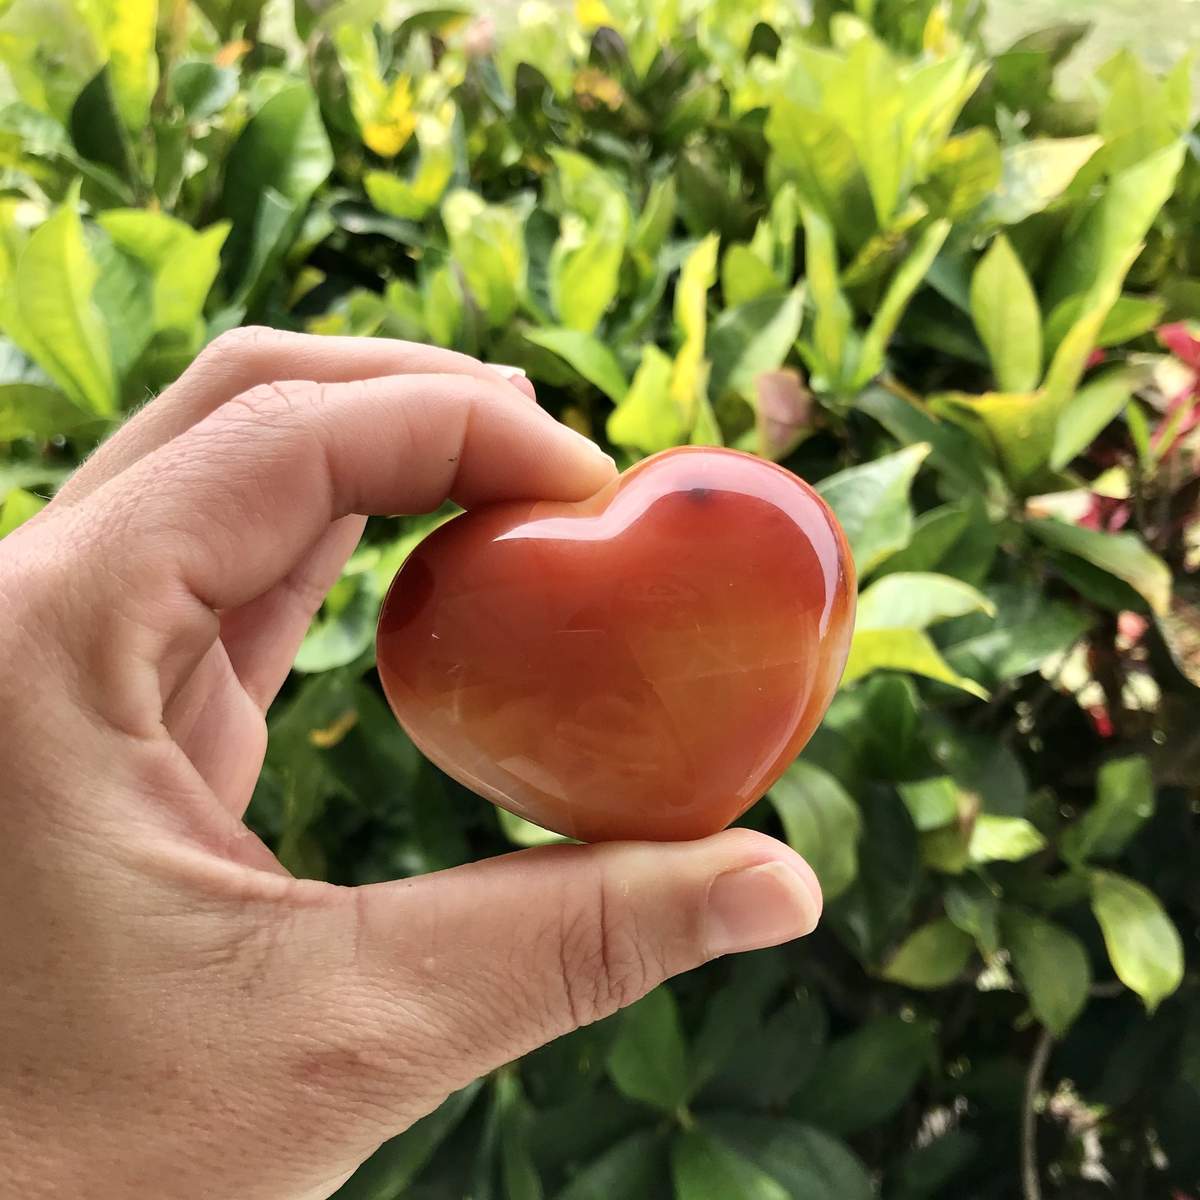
column 909, row 650
column 48, row 311
column 933, row 956
column 1143, row 944
column 1006, row 314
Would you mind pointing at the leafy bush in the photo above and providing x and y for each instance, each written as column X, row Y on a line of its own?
column 852, row 243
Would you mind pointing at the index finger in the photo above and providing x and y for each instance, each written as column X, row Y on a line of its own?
column 246, row 357
column 229, row 506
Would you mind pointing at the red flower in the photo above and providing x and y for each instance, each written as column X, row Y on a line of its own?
column 1105, row 513
column 1180, row 341
column 1101, row 720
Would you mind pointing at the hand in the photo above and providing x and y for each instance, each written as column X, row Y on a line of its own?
column 179, row 1017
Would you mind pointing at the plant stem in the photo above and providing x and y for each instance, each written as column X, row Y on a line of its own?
column 1030, row 1183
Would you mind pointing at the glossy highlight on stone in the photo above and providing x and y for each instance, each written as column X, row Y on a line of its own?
column 643, row 664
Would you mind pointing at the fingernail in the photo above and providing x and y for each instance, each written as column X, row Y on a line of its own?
column 506, row 372
column 759, row 906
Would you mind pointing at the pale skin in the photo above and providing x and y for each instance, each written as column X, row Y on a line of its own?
column 180, row 1017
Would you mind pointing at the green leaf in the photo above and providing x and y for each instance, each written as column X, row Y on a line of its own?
column 809, row 1164
column 97, row 129
column 746, row 277
column 813, row 150
column 392, row 1167
column 30, row 404
column 927, row 1169
column 891, row 308
column 1124, row 555
column 16, row 508
column 1144, row 946
column 587, row 355
column 705, row 1169
column 821, row 822
column 1003, row 839
column 772, row 1059
column 655, row 221
column 487, row 243
column 1098, row 253
column 184, row 261
column 127, row 31
column 1089, row 410
column 49, row 312
column 834, row 342
column 963, row 173
column 933, row 956
column 525, row 833
column 648, row 1060
column 1019, row 426
column 648, row 417
column 633, row 1169
column 1124, row 803
column 902, row 650
column 414, row 197
column 867, row 100
column 1035, row 174
column 866, row 1076
column 690, row 370
column 973, row 905
column 753, row 338
column 1006, row 313
column 1052, row 966
column 934, row 533
column 345, row 628
column 276, row 165
column 932, row 802
column 915, row 600
column 871, row 502
column 202, row 88
column 1027, row 632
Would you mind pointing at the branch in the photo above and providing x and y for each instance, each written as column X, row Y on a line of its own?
column 1030, row 1184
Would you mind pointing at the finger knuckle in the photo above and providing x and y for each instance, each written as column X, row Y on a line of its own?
column 605, row 963
column 242, row 342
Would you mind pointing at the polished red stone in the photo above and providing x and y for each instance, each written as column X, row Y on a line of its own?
column 644, row 664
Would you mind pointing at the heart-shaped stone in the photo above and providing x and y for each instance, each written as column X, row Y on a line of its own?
column 643, row 664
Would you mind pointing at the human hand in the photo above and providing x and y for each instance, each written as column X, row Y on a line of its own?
column 179, row 1017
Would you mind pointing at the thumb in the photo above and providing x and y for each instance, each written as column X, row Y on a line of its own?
column 456, row 973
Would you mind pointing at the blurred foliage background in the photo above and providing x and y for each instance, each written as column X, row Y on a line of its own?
column 858, row 237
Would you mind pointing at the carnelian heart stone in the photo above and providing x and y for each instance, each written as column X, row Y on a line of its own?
column 643, row 664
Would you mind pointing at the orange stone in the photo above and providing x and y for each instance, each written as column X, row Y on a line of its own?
column 643, row 664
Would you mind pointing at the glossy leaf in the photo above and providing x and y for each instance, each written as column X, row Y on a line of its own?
column 807, row 1162
column 932, row 956
column 1124, row 555
column 1143, row 943
column 1124, row 803
column 1007, row 316
column 866, row 1076
column 1034, row 174
column 48, row 310
column 587, row 355
column 871, row 502
column 752, row 339
column 706, row 1169
column 1003, row 839
column 648, row 1060
column 821, row 822
column 632, row 1169
column 648, row 416
column 1052, row 966
column 912, row 600
column 908, row 650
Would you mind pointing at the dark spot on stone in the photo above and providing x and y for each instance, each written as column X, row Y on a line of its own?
column 700, row 495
